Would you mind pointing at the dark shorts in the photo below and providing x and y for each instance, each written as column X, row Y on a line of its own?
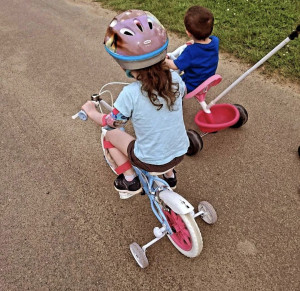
column 149, row 167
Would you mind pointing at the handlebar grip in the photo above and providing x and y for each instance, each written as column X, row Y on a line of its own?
column 295, row 33
column 82, row 115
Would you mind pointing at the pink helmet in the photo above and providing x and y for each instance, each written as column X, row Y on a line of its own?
column 136, row 39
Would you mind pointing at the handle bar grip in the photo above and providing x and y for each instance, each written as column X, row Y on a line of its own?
column 81, row 114
column 295, row 33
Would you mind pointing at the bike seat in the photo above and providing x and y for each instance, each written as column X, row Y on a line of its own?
column 159, row 173
column 202, row 89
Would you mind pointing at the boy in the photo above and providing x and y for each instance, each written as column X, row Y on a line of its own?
column 199, row 60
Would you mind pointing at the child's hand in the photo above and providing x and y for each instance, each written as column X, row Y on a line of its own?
column 170, row 64
column 89, row 107
column 190, row 42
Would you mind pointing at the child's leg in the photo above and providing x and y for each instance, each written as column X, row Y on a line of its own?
column 169, row 174
column 170, row 178
column 120, row 140
column 127, row 183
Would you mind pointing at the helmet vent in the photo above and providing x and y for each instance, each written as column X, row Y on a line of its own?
column 113, row 23
column 138, row 24
column 150, row 23
column 127, row 31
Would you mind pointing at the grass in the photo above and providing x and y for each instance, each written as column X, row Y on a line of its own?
column 248, row 29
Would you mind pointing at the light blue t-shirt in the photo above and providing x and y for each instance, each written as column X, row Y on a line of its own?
column 160, row 134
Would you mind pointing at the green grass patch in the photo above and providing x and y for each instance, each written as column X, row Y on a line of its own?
column 248, row 29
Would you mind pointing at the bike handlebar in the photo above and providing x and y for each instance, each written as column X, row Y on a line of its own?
column 97, row 100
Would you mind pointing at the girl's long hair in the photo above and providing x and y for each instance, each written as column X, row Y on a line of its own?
column 157, row 81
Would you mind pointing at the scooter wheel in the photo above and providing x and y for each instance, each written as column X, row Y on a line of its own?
column 196, row 142
column 210, row 214
column 243, row 116
column 139, row 255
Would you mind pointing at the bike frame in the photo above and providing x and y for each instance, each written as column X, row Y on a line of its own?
column 148, row 183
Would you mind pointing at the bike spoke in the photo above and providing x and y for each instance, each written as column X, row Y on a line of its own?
column 181, row 235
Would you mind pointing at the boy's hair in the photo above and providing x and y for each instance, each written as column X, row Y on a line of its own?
column 157, row 81
column 199, row 21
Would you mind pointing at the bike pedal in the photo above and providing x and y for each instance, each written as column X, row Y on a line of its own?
column 126, row 195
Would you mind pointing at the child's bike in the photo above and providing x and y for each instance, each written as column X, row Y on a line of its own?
column 175, row 214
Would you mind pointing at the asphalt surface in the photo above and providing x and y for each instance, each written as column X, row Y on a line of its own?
column 63, row 226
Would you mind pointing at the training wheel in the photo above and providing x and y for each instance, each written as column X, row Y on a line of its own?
column 139, row 255
column 209, row 215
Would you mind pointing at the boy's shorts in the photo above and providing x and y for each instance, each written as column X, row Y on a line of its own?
column 149, row 167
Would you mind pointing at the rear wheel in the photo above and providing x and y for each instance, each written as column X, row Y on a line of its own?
column 196, row 142
column 243, row 116
column 186, row 235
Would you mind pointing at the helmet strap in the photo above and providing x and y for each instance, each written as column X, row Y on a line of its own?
column 128, row 74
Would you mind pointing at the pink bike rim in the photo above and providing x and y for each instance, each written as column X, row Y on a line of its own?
column 181, row 235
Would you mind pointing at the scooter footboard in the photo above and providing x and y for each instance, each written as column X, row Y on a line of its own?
column 176, row 202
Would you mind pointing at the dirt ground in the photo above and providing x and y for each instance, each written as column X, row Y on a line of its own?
column 63, row 226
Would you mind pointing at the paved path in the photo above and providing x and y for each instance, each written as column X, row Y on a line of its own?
column 63, row 226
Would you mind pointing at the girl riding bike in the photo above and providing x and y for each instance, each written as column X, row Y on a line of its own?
column 153, row 102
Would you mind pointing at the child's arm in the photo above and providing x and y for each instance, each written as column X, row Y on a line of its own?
column 114, row 119
column 171, row 64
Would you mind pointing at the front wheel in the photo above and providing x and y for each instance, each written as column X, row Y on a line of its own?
column 186, row 235
column 196, row 142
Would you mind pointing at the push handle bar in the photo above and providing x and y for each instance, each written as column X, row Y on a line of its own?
column 292, row 36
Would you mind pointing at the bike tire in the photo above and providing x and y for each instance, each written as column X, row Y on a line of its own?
column 187, row 237
column 196, row 142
